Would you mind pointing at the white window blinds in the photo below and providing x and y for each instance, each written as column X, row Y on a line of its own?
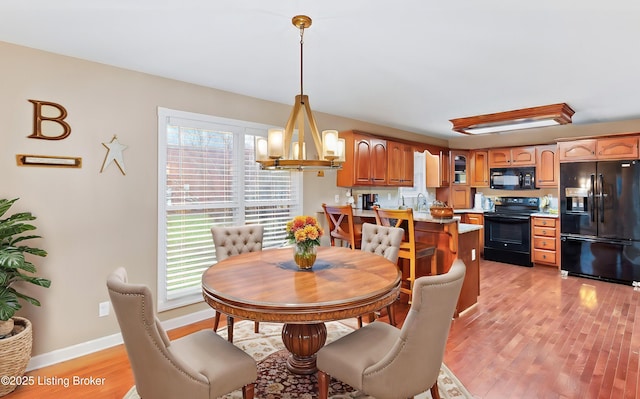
column 208, row 176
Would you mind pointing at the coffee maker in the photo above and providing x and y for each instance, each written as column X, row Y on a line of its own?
column 369, row 200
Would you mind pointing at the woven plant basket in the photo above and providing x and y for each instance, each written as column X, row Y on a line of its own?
column 15, row 353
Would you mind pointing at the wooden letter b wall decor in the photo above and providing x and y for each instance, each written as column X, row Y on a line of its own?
column 38, row 118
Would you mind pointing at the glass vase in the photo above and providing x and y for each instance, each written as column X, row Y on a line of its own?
column 304, row 256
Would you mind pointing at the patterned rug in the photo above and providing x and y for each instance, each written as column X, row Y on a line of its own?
column 276, row 382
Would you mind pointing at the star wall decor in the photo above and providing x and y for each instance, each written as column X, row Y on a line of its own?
column 114, row 154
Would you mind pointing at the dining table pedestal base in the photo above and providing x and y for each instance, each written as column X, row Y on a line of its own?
column 303, row 341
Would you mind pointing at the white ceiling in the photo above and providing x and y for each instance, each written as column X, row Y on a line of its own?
column 411, row 64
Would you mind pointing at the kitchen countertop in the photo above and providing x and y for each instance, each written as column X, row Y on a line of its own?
column 426, row 217
column 417, row 216
column 469, row 210
column 545, row 214
column 467, row 228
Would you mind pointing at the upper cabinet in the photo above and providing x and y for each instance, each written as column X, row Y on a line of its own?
column 515, row 156
column 479, row 168
column 400, row 165
column 579, row 150
column 596, row 149
column 460, row 165
column 617, row 148
column 547, row 174
column 365, row 161
column 433, row 169
column 445, row 168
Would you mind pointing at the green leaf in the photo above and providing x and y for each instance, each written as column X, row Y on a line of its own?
column 42, row 282
column 28, row 267
column 11, row 258
column 8, row 303
column 29, row 299
column 33, row 251
column 5, row 204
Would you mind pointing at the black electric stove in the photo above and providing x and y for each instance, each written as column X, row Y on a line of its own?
column 507, row 231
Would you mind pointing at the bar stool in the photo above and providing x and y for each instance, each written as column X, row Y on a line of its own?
column 341, row 226
column 409, row 248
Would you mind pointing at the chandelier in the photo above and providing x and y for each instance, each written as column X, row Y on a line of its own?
column 279, row 151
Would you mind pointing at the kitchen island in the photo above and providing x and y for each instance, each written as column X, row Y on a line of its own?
column 452, row 240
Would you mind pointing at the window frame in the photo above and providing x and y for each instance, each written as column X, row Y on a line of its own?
column 201, row 121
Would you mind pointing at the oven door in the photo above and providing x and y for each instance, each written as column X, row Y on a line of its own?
column 507, row 238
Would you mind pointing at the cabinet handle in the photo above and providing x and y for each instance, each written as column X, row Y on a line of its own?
column 544, row 222
column 544, row 256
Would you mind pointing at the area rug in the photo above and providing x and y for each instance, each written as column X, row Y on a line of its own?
column 276, row 382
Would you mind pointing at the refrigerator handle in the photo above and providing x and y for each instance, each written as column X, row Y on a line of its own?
column 601, row 196
column 592, row 198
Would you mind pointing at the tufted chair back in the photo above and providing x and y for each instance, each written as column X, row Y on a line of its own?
column 201, row 365
column 237, row 240
column 386, row 362
column 382, row 240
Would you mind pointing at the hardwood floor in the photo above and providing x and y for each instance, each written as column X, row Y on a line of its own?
column 533, row 334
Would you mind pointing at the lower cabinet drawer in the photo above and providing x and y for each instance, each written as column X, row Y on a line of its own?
column 544, row 231
column 544, row 256
column 546, row 243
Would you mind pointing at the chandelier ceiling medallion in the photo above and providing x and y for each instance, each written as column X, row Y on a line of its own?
column 279, row 151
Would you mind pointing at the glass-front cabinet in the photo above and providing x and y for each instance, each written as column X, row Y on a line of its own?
column 460, row 163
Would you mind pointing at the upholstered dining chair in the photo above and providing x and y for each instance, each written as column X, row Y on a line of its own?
column 410, row 249
column 384, row 241
column 235, row 240
column 201, row 365
column 386, row 362
column 341, row 225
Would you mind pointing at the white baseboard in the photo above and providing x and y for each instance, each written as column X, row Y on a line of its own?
column 85, row 348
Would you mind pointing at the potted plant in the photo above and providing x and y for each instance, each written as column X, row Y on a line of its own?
column 15, row 332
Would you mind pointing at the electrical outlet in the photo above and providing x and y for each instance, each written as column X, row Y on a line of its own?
column 389, row 196
column 473, row 254
column 337, row 198
column 103, row 309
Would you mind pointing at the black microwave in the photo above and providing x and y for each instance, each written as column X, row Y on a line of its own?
column 513, row 178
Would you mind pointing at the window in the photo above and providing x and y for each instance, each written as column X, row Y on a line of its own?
column 207, row 175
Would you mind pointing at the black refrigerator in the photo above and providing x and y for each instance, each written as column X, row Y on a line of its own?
column 600, row 220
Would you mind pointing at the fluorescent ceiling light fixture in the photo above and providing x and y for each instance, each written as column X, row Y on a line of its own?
column 278, row 151
column 526, row 118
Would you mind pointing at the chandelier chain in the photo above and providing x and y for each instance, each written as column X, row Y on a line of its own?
column 301, row 58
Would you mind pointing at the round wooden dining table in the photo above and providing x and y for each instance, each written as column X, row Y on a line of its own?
column 268, row 286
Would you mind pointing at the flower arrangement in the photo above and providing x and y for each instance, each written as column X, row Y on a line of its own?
column 305, row 233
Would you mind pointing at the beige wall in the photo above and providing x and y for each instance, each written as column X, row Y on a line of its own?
column 92, row 222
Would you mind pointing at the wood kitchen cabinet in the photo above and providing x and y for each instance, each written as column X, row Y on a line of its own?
column 476, row 218
column 460, row 196
column 460, row 167
column 545, row 241
column 515, row 156
column 365, row 161
column 609, row 148
column 579, row 150
column 617, row 148
column 433, row 174
column 445, row 168
column 400, row 165
column 547, row 165
column 479, row 168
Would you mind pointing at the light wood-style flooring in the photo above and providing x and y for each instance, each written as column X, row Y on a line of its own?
column 533, row 334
